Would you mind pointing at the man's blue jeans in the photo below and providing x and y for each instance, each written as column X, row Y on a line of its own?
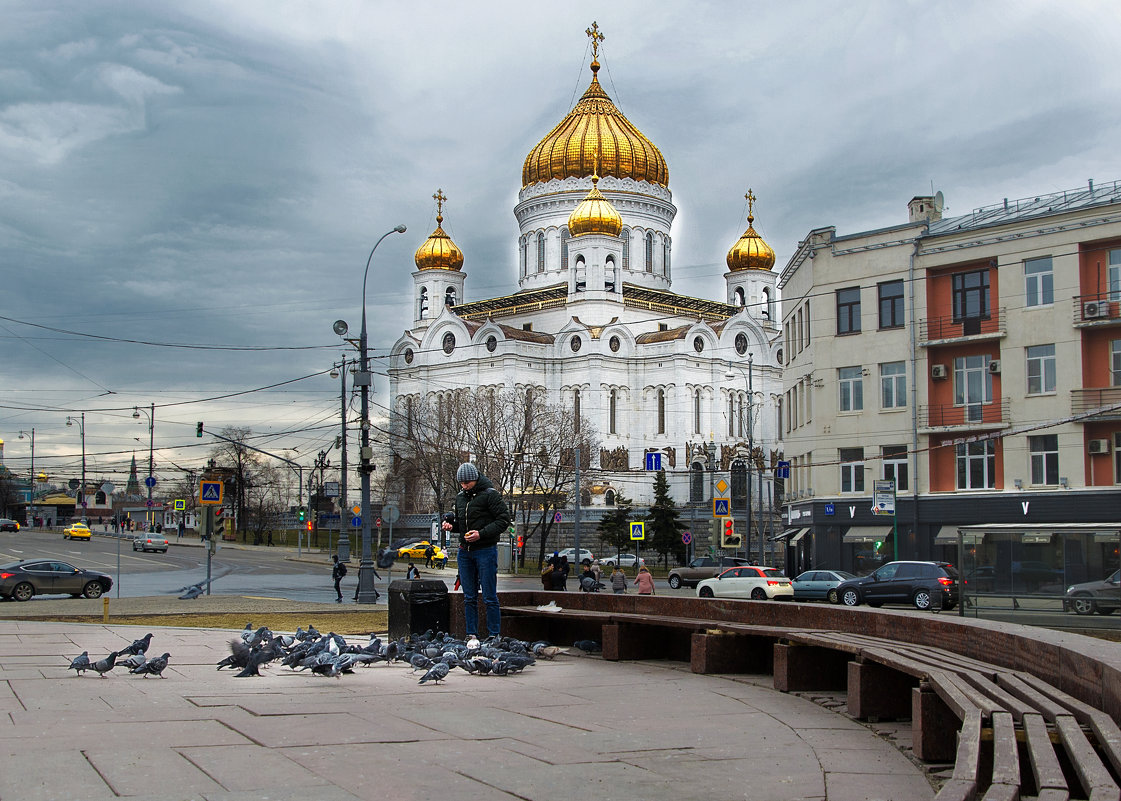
column 478, row 573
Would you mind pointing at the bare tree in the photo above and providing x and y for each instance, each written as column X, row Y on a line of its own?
column 264, row 501
column 242, row 464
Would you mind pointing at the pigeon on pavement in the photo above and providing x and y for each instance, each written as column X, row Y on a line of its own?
column 154, row 667
column 80, row 663
column 138, row 646
column 435, row 674
column 133, row 661
column 103, row 666
column 587, row 646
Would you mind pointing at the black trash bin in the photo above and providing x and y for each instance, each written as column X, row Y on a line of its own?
column 417, row 606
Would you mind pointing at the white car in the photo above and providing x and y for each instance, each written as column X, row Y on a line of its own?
column 624, row 560
column 754, row 582
column 150, row 542
column 571, row 554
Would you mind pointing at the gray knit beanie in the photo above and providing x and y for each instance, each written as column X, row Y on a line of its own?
column 467, row 472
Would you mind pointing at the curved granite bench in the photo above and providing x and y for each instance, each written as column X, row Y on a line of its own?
column 1019, row 711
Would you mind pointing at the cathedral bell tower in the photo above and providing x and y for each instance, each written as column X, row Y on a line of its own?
column 750, row 281
column 438, row 280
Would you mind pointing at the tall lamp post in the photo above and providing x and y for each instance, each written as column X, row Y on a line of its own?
column 344, row 537
column 82, row 428
column 750, row 447
column 30, row 516
column 150, row 481
column 366, row 592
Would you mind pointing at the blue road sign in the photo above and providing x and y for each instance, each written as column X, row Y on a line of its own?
column 210, row 492
column 783, row 470
column 654, row 461
column 686, row 537
column 638, row 531
column 356, row 521
column 557, row 517
column 150, row 481
column 720, row 507
column 830, row 509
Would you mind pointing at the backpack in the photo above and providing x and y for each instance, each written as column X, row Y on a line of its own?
column 342, row 570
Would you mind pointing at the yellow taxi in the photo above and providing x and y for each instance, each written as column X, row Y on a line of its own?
column 416, row 551
column 77, row 531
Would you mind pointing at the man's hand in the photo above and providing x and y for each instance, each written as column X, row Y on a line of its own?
column 471, row 535
column 446, row 526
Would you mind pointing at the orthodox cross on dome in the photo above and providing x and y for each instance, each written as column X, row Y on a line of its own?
column 750, row 197
column 439, row 197
column 596, row 37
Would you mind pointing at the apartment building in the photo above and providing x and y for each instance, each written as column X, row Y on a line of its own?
column 975, row 362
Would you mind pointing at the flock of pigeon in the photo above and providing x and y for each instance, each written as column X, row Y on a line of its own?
column 135, row 660
column 435, row 653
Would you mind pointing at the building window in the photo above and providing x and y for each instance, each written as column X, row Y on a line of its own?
column 738, row 298
column 852, row 470
column 422, row 309
column 1039, row 282
column 848, row 312
column 971, row 295
column 661, row 411
column 614, row 344
column 893, row 385
column 739, row 484
column 609, row 498
column 895, row 465
column 976, row 465
column 612, row 409
column 1115, row 274
column 626, row 249
column 731, row 415
column 891, row 304
column 851, row 383
column 576, row 409
column 523, row 255
column 1041, row 369
column 408, row 355
column 973, row 385
column 665, row 258
column 564, row 248
column 492, row 343
column 741, row 343
column 696, row 411
column 698, row 344
column 1044, row 459
column 449, row 297
column 575, row 344
column 649, row 252
column 540, row 252
column 1115, row 363
column 449, row 342
column 697, row 483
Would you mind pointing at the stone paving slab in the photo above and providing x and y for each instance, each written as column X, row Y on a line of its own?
column 570, row 727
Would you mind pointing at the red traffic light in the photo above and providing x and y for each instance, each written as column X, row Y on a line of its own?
column 521, row 541
column 309, row 525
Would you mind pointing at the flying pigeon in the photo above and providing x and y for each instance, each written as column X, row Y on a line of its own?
column 435, row 674
column 133, row 662
column 258, row 657
column 154, row 667
column 80, row 663
column 138, row 646
column 239, row 655
column 103, row 666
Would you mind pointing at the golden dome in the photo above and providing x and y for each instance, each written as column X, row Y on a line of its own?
column 595, row 126
column 439, row 252
column 595, row 215
column 750, row 252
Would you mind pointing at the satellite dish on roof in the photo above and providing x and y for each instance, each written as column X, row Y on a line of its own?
column 939, row 201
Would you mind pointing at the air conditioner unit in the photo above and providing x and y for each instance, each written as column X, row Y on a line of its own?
column 1093, row 309
column 938, row 371
column 994, row 366
column 1098, row 446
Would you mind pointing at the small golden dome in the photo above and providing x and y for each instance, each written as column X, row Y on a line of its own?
column 595, row 127
column 595, row 215
column 439, row 252
column 750, row 252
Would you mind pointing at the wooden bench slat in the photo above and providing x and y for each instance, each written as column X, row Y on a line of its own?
column 1044, row 763
column 1091, row 771
column 1006, row 753
column 968, row 761
column 1013, row 684
column 1105, row 728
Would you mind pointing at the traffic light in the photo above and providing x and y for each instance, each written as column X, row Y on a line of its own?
column 521, row 542
column 303, row 514
column 198, row 429
column 309, row 525
column 728, row 536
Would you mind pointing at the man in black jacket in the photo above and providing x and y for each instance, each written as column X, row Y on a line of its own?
column 480, row 518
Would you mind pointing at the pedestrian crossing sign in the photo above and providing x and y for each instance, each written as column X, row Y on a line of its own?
column 720, row 507
column 180, row 505
column 638, row 531
column 210, row 492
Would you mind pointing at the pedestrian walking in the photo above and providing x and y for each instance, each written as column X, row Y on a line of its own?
column 618, row 581
column 338, row 573
column 412, row 572
column 645, row 581
column 480, row 519
column 181, row 530
column 429, row 552
column 358, row 584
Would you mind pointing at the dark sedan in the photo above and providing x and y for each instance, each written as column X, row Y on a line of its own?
column 1103, row 597
column 22, row 580
column 819, row 585
column 8, row 525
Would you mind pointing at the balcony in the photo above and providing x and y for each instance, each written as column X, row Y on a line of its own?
column 970, row 417
column 948, row 330
column 1087, row 400
column 1101, row 309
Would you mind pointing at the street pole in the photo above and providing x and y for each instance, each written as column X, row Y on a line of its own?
column 344, row 506
column 82, row 428
column 366, row 591
column 750, row 451
column 30, row 516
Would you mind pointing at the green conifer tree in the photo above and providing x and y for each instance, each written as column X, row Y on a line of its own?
column 663, row 526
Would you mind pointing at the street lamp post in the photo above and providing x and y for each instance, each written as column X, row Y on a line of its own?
column 344, row 537
column 82, row 428
column 30, row 516
column 750, row 447
column 366, row 592
column 136, row 410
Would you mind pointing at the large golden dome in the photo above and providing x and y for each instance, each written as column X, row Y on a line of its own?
column 595, row 215
column 594, row 127
column 750, row 252
column 439, row 252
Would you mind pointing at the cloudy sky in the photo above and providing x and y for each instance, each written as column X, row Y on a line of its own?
column 189, row 191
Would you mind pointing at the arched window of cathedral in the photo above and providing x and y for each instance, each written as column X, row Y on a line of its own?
column 661, row 411
column 614, row 343
column 528, row 409
column 540, row 252
column 626, row 249
column 741, row 343
column 697, row 411
column 609, row 274
column 581, row 274
column 576, row 409
column 525, row 256
column 449, row 342
column 731, row 415
column 612, row 407
column 739, row 484
column 609, row 498
column 740, row 416
column 492, row 343
column 449, row 297
column 738, row 297
column 564, row 248
column 665, row 258
column 575, row 344
column 422, row 311
column 769, row 304
column 99, row 497
column 697, row 482
column 649, row 252
column 780, row 355
column 698, row 344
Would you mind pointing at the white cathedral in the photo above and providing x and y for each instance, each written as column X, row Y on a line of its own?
column 595, row 326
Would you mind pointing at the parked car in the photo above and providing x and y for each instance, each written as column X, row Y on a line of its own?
column 918, row 583
column 77, row 531
column 819, row 585
column 571, row 554
column 150, row 542
column 622, row 559
column 1103, row 597
column 751, row 581
column 22, row 580
column 416, row 551
column 701, row 568
column 8, row 525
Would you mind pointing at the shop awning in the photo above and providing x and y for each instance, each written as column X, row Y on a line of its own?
column 790, row 535
column 866, row 534
column 801, row 533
